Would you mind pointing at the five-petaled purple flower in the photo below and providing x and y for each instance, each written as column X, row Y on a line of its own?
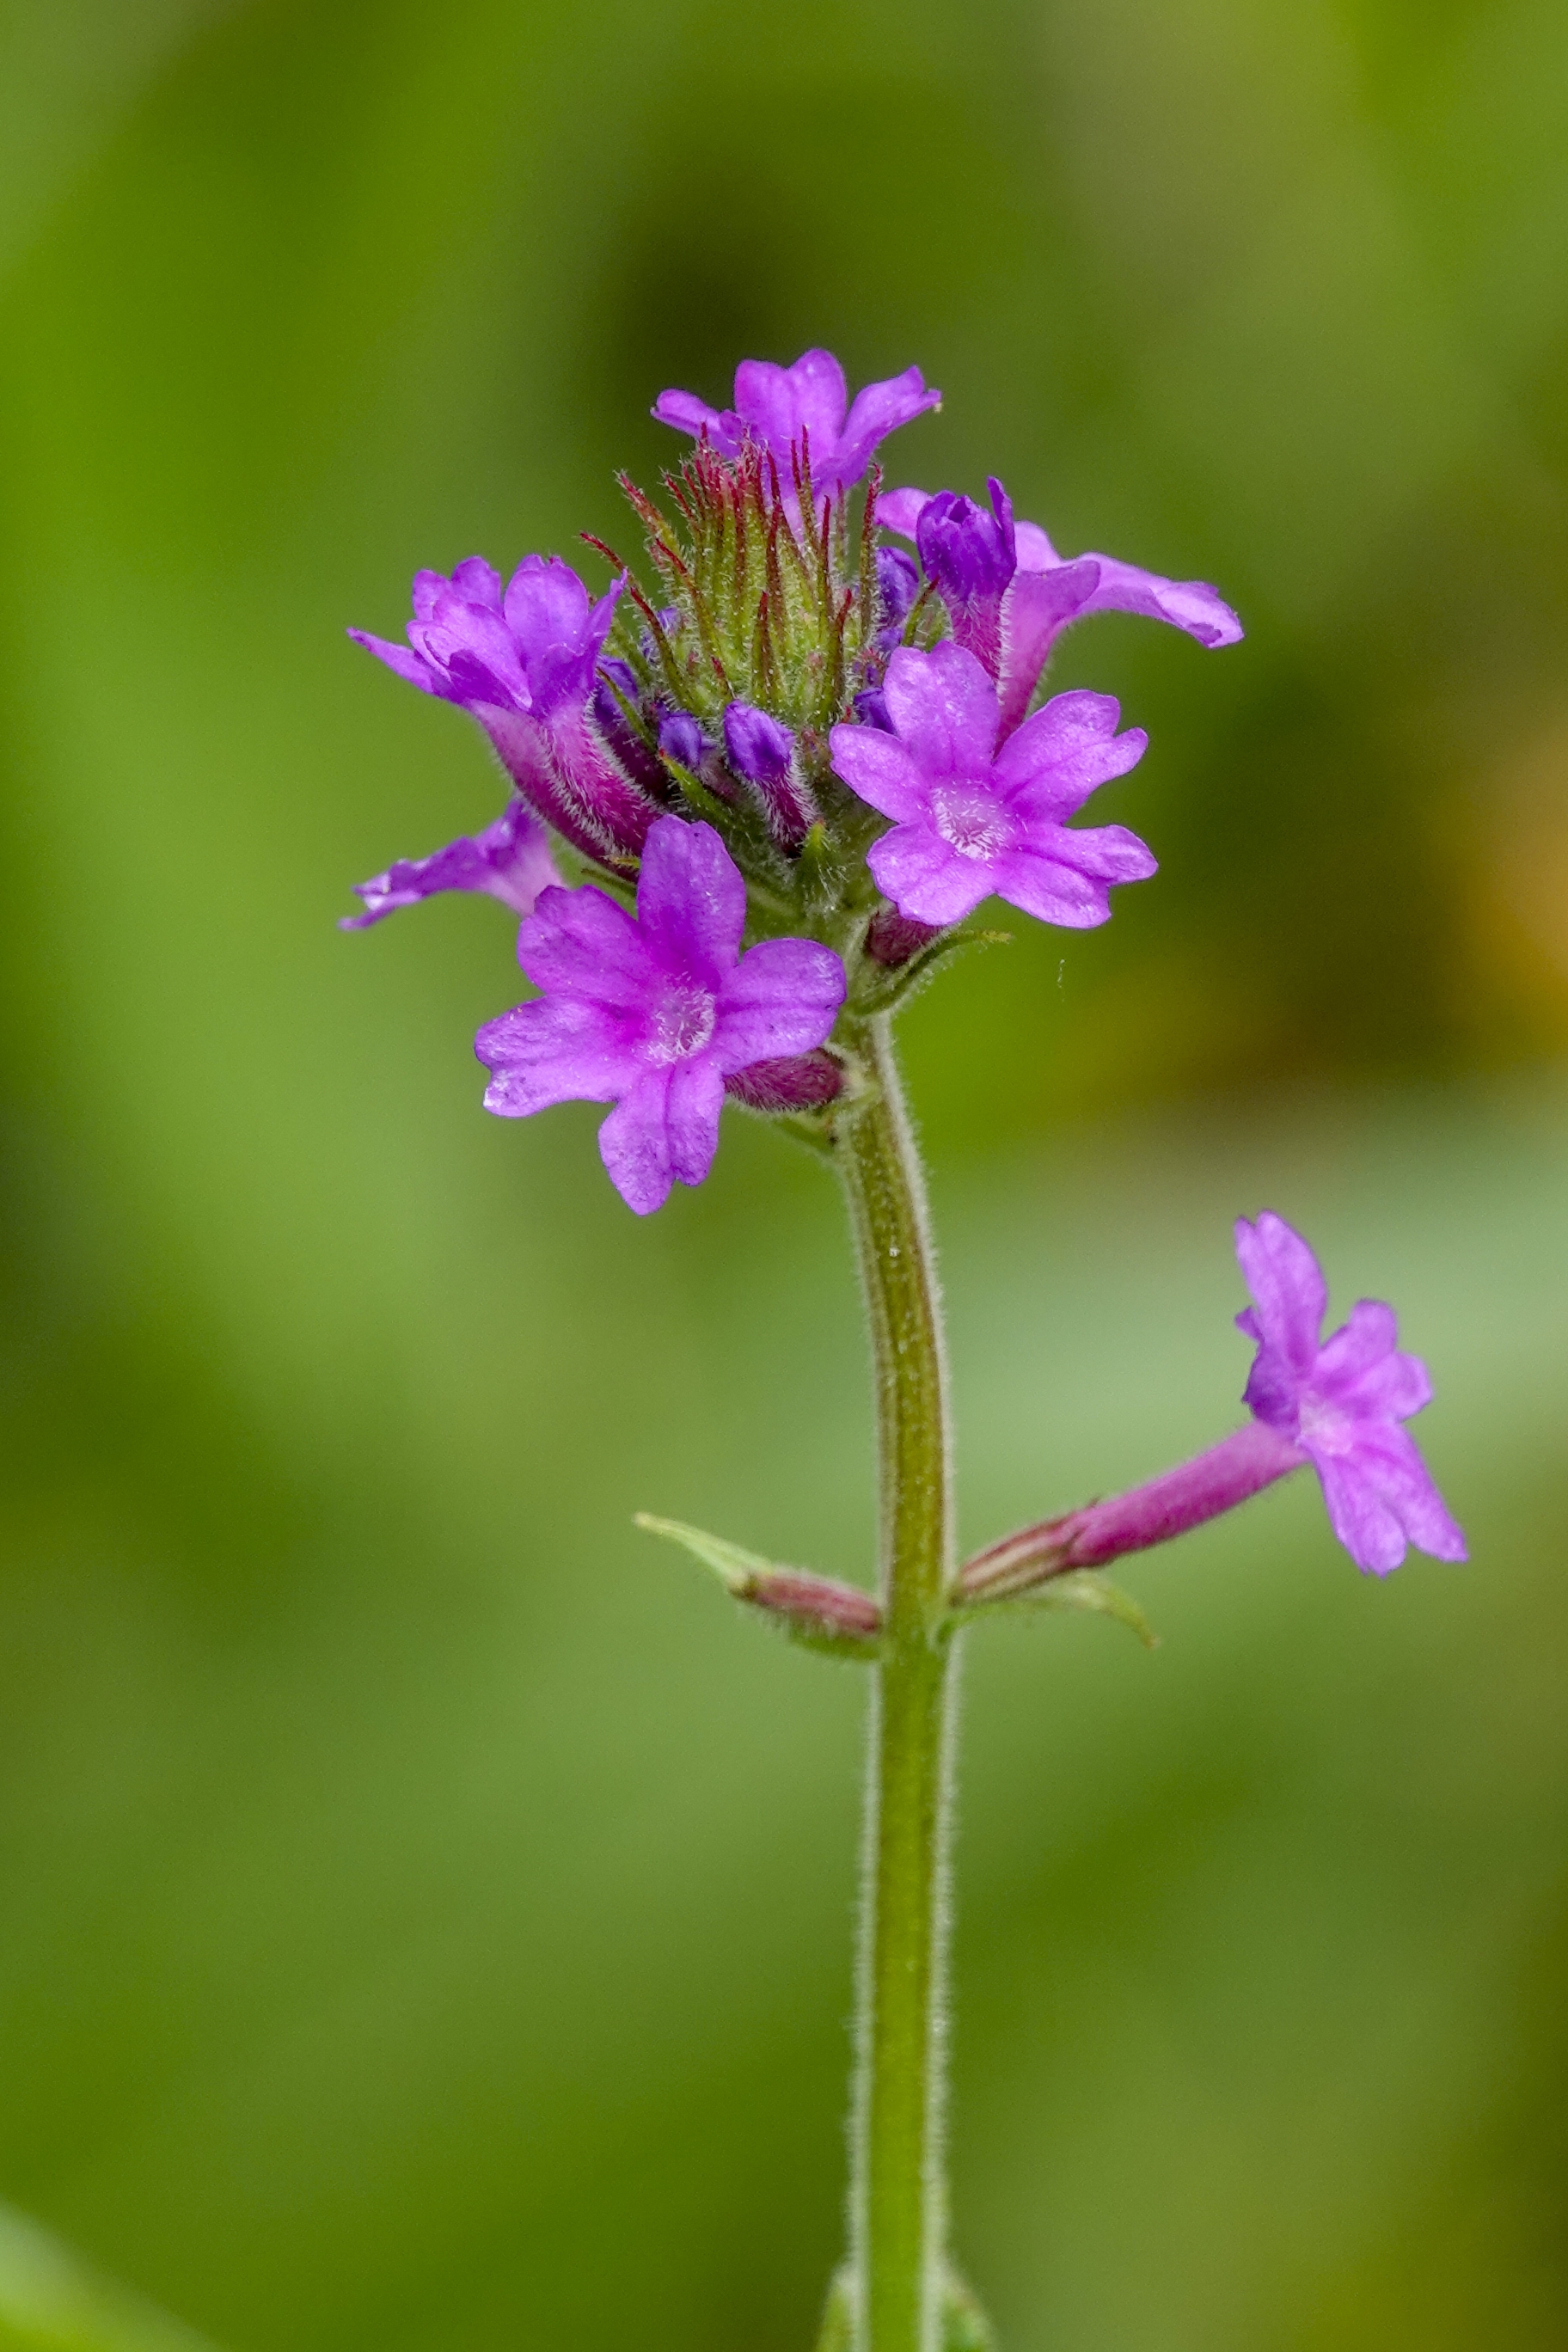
column 522, row 663
column 1341, row 1400
column 654, row 1013
column 1010, row 594
column 970, row 819
column 778, row 405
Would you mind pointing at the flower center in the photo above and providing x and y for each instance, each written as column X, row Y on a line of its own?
column 683, row 1023
column 1332, row 1428
column 970, row 821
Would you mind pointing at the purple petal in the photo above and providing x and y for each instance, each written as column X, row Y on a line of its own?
column 925, row 878
column 1036, row 552
column 899, row 510
column 1362, row 1371
column 681, row 738
column 633, row 1144
column 1379, row 1494
column 1053, row 762
column 879, row 409
column 477, row 581
column 464, row 635
column 782, row 997
column 556, row 1049
column 1370, row 1531
column 580, row 944
column 692, row 1106
column 510, row 860
column 1051, row 889
column 1189, row 605
column 692, row 901
column 690, row 414
column 1036, row 608
column 944, row 707
column 879, row 770
column 1287, row 1284
column 777, row 402
column 409, row 665
column 898, row 585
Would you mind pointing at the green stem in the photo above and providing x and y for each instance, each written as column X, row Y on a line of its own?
column 898, row 2195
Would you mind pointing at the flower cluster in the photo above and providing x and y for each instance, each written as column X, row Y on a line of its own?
column 802, row 754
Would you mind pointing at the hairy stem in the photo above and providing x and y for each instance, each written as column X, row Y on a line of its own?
column 898, row 2196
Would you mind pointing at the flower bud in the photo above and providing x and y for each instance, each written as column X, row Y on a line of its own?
column 787, row 1082
column 762, row 750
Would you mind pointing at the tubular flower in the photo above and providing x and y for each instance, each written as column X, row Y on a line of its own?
column 654, row 1012
column 510, row 860
column 968, row 819
column 523, row 663
column 782, row 407
column 1017, row 621
column 1342, row 1401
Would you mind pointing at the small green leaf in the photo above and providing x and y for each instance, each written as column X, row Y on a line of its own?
column 1081, row 1588
column 51, row 2300
column 739, row 1571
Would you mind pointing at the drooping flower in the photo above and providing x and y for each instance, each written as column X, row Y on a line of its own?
column 1337, row 1405
column 777, row 405
column 1341, row 1400
column 970, row 819
column 510, row 860
column 522, row 663
column 1022, row 616
column 654, row 1012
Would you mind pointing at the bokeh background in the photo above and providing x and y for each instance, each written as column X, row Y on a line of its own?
column 424, row 1907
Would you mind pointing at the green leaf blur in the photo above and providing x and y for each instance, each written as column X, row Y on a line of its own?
column 425, row 1920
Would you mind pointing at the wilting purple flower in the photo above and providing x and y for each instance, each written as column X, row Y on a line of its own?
column 523, row 663
column 776, row 406
column 1047, row 591
column 761, row 750
column 510, row 860
column 1342, row 1401
column 654, row 1013
column 967, row 822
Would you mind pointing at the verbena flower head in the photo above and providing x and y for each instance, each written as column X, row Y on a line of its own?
column 847, row 721
column 1341, row 1400
column 969, row 819
column 655, row 1012
column 804, row 408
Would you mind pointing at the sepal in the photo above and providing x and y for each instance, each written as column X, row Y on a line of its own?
column 839, row 1619
column 964, row 2327
column 882, row 987
column 838, row 2314
column 1079, row 1588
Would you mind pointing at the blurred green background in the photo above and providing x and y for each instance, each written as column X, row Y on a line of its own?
column 425, row 1906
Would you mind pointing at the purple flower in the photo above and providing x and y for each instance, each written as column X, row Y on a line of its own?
column 777, row 406
column 762, row 750
column 653, row 1014
column 967, row 822
column 1047, row 591
column 1342, row 1401
column 510, row 860
column 523, row 663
